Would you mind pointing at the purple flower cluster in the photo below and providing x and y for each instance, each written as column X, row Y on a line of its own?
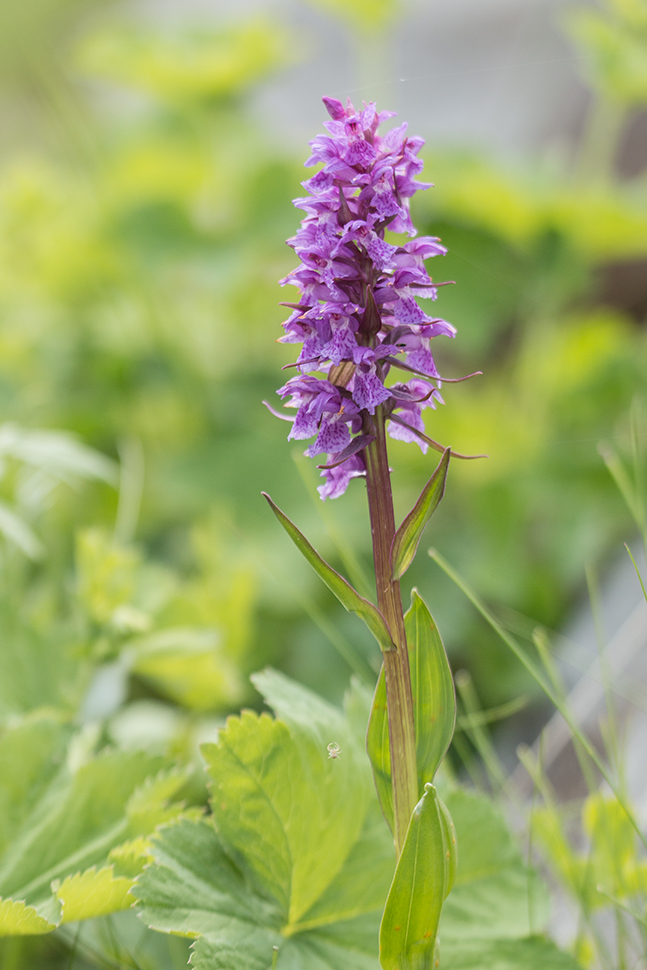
column 357, row 316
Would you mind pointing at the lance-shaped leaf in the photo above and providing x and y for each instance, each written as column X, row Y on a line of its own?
column 406, row 539
column 434, row 706
column 424, row 875
column 378, row 749
column 347, row 596
column 434, row 698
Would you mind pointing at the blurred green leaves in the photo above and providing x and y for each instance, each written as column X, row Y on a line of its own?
column 185, row 67
column 369, row 16
column 614, row 40
column 62, row 811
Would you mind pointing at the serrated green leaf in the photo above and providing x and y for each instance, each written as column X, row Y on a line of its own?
column 93, row 893
column 18, row 919
column 261, row 770
column 196, row 890
column 201, row 885
column 434, row 706
column 423, row 878
column 408, row 536
column 130, row 858
column 347, row 596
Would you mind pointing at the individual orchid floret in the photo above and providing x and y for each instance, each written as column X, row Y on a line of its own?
column 357, row 314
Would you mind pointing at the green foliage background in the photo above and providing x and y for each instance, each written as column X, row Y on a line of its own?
column 142, row 224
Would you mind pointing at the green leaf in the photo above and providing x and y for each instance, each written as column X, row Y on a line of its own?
column 17, row 919
column 434, row 705
column 300, row 845
column 378, row 748
column 363, row 883
column 433, row 690
column 406, row 539
column 93, row 893
column 60, row 820
column 495, row 895
column 231, row 884
column 188, row 665
column 347, row 596
column 194, row 889
column 423, row 878
column 531, row 954
column 260, row 770
column 14, row 528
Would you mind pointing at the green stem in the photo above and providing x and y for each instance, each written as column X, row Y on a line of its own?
column 396, row 662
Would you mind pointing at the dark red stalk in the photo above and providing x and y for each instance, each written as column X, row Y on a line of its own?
column 396, row 662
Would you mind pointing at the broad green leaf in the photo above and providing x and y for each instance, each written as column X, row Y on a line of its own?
column 304, row 711
column 221, row 883
column 18, row 919
column 408, row 536
column 434, row 705
column 348, row 950
column 363, row 883
column 424, row 876
column 93, row 893
column 194, row 889
column 347, row 596
column 261, row 770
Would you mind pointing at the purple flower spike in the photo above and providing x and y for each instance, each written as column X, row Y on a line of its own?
column 357, row 313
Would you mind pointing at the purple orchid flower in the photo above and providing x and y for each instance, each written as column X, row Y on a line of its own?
column 357, row 314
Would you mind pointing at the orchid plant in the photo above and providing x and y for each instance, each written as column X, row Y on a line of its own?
column 292, row 867
column 358, row 319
